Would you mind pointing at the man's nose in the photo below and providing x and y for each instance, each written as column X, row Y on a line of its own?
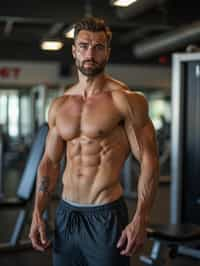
column 90, row 52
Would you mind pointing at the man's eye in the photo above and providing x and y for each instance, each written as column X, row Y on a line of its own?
column 83, row 46
column 99, row 47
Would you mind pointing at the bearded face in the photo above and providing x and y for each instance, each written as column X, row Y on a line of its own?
column 90, row 68
column 90, row 52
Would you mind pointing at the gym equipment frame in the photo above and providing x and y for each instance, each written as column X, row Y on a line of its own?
column 185, row 95
column 182, row 235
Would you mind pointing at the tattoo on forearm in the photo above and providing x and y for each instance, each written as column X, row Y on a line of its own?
column 44, row 184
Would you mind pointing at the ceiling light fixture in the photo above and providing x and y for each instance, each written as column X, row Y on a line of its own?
column 123, row 3
column 51, row 45
column 69, row 33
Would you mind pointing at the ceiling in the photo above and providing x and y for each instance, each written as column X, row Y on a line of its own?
column 23, row 24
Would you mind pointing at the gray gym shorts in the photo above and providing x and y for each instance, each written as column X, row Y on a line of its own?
column 87, row 236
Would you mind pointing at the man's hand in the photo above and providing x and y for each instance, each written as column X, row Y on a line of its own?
column 37, row 234
column 133, row 237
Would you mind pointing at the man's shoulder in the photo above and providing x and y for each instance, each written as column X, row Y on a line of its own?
column 73, row 89
column 54, row 108
column 126, row 99
column 57, row 102
column 137, row 99
column 115, row 85
column 119, row 88
column 133, row 106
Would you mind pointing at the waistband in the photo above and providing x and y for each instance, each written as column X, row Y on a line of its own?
column 82, row 205
column 120, row 202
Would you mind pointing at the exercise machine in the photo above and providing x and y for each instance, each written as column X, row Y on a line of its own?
column 182, row 235
column 26, row 188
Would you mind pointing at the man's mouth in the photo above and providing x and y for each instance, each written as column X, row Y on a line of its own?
column 89, row 63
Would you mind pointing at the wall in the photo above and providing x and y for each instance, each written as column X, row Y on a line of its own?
column 31, row 73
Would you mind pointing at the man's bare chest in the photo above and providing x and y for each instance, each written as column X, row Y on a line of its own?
column 93, row 117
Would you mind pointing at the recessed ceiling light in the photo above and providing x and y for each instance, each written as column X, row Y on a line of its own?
column 123, row 3
column 51, row 45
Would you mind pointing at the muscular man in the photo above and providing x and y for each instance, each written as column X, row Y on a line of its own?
column 101, row 121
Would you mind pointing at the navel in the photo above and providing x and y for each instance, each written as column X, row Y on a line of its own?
column 100, row 132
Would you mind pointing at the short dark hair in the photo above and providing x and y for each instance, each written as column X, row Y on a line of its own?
column 93, row 24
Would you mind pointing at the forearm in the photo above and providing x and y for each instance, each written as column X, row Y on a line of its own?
column 147, row 187
column 46, row 182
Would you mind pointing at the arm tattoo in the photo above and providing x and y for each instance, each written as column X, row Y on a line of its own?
column 44, row 184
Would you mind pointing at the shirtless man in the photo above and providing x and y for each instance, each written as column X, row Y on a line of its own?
column 101, row 121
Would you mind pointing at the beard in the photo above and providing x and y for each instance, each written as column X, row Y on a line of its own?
column 93, row 70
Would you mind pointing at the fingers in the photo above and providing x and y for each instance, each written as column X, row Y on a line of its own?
column 34, row 237
column 38, row 237
column 133, row 242
column 43, row 238
column 36, row 244
column 132, row 247
column 122, row 240
column 42, row 232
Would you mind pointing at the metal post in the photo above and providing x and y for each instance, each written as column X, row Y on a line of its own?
column 1, row 166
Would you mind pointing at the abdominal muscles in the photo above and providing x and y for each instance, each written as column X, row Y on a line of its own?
column 93, row 166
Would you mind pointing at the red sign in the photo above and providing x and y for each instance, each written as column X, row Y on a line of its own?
column 10, row 72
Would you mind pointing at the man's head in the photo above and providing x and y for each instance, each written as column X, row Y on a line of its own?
column 91, row 47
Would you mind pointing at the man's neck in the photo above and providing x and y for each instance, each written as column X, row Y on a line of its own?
column 91, row 85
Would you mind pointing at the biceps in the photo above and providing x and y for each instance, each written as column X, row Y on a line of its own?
column 148, row 142
column 142, row 140
column 55, row 145
column 133, row 139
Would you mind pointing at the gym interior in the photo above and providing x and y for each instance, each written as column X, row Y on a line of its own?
column 155, row 51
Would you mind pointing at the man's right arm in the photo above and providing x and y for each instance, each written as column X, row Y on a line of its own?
column 48, row 172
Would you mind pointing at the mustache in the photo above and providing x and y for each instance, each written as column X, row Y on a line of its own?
column 90, row 61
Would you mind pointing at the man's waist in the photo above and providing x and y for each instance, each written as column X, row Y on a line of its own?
column 85, row 208
column 92, row 197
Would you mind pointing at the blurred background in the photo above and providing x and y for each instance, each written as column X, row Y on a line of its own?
column 36, row 66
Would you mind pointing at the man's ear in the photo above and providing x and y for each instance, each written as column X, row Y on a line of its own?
column 73, row 50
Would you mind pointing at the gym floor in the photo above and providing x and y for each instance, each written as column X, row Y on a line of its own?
column 160, row 214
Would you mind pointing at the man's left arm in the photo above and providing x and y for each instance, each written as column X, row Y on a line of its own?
column 142, row 139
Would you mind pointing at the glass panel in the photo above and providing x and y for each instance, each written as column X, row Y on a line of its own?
column 13, row 114
column 26, row 125
column 3, row 109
